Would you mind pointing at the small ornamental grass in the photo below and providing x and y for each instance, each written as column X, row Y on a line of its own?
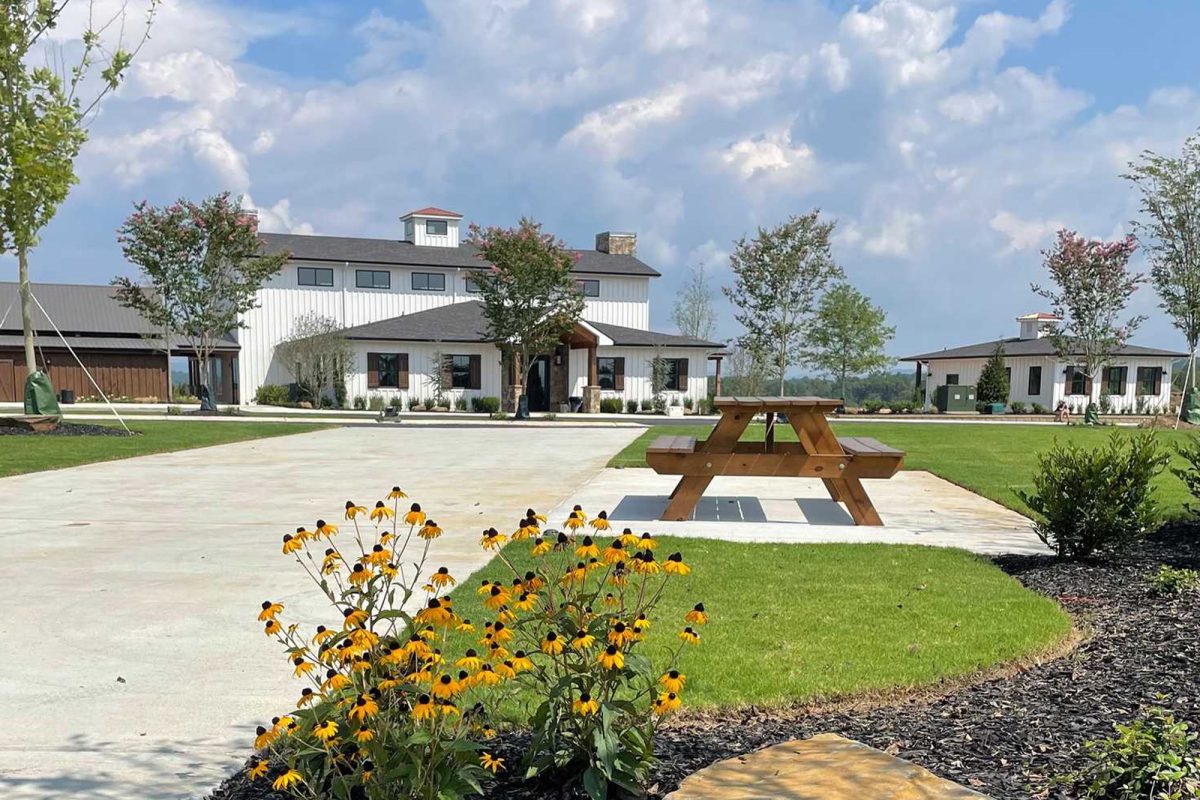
column 395, row 708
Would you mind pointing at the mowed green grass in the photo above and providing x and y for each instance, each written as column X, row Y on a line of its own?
column 20, row 454
column 807, row 622
column 995, row 460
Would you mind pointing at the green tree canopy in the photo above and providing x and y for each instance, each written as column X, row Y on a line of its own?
column 993, row 379
column 847, row 336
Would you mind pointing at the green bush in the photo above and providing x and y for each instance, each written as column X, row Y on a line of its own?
column 1095, row 499
column 687, row 403
column 610, row 405
column 1017, row 407
column 414, row 404
column 1190, row 474
column 631, row 406
column 485, row 405
column 460, row 403
column 430, row 404
column 647, row 405
column 272, row 394
column 360, row 403
column 1171, row 581
column 396, row 402
column 872, row 405
column 1038, row 408
column 992, row 386
column 1152, row 758
column 375, row 403
column 897, row 407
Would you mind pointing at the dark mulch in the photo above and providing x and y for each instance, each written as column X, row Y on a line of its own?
column 1003, row 737
column 69, row 429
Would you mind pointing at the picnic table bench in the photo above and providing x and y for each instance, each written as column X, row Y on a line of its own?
column 840, row 462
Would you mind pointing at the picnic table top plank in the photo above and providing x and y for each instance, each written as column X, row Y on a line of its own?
column 776, row 403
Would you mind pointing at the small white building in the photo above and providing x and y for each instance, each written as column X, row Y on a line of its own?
column 1137, row 381
column 405, row 302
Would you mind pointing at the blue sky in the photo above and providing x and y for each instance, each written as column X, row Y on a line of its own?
column 949, row 139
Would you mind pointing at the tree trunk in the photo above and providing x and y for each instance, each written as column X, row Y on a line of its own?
column 26, row 308
column 167, row 346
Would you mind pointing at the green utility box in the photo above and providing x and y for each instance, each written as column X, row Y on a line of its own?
column 954, row 398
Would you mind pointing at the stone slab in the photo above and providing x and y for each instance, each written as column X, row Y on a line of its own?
column 825, row 767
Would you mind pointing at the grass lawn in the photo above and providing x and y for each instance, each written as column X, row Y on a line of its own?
column 992, row 460
column 20, row 454
column 802, row 622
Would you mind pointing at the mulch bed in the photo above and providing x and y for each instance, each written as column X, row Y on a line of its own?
column 69, row 429
column 1006, row 737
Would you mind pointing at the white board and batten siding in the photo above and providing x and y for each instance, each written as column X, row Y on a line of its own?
column 421, row 369
column 1053, row 383
column 638, row 384
column 623, row 300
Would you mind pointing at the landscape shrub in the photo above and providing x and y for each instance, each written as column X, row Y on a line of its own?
column 610, row 405
column 460, row 403
column 326, row 401
column 1094, row 499
column 1152, row 758
column 687, row 403
column 499, row 415
column 631, row 406
column 1017, row 407
column 486, row 405
column 899, row 407
column 396, row 402
column 1172, row 581
column 360, row 403
column 1038, row 408
column 1190, row 472
column 414, row 404
column 872, row 405
column 430, row 404
column 375, row 403
column 272, row 394
column 647, row 405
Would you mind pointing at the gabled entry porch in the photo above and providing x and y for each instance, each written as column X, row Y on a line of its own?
column 549, row 381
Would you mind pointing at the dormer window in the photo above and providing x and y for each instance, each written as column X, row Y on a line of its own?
column 436, row 227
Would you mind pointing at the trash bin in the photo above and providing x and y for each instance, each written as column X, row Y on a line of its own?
column 576, row 404
column 67, row 397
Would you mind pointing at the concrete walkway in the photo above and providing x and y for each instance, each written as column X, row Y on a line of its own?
column 133, row 665
column 916, row 507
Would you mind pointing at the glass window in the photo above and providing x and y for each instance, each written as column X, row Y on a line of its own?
column 1035, row 381
column 373, row 279
column 436, row 227
column 589, row 288
column 1147, row 380
column 952, row 379
column 472, row 286
column 606, row 372
column 314, row 276
column 1114, row 380
column 429, row 281
column 1076, row 381
column 389, row 369
column 460, row 372
column 409, row 230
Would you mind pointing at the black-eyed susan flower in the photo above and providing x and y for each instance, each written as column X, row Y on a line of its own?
column 647, row 542
column 502, row 632
column 487, row 676
column 674, row 565
column 325, row 529
column 434, row 613
column 353, row 618
column 378, row 556
column 427, row 633
column 448, row 709
column 489, row 762
column 287, row 780
column 415, row 515
column 697, row 616
column 614, row 553
column 307, row 696
column 497, row 596
column 521, row 662
column 258, row 768
column 525, row 601
column 445, row 687
column 381, row 512
column 322, row 635
column 582, row 640
column 443, row 577
column 673, row 681
column 334, row 681
column 668, row 702
column 325, row 730
column 330, row 562
column 264, row 736
column 424, row 708
column 470, row 660
column 269, row 610
column 526, row 529
column 302, row 667
column 641, row 623
column 531, row 514
column 577, row 574
column 389, row 570
column 532, row 581
column 619, row 576
column 575, row 521
column 541, row 546
column 291, row 544
column 492, row 539
column 644, row 564
column 486, row 731
column 689, row 636
column 364, row 708
column 587, row 549
column 430, row 530
column 585, row 705
column 628, row 538
column 353, row 509
column 464, row 626
column 396, row 494
column 272, row 627
column 601, row 523
column 364, row 735
column 611, row 600
column 360, row 575
column 611, row 657
column 621, row 634
column 552, row 645
column 505, row 669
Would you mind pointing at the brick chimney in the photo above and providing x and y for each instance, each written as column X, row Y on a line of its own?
column 617, row 244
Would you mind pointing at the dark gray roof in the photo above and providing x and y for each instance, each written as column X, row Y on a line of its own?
column 464, row 322
column 341, row 249
column 1026, row 347
column 81, row 311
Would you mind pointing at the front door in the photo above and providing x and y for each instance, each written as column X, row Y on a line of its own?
column 537, row 388
column 8, row 381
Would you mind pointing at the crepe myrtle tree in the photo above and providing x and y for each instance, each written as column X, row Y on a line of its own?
column 47, row 100
column 1092, row 287
column 778, row 275
column 200, row 268
column 530, row 299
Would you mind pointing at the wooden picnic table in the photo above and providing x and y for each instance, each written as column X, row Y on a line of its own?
column 840, row 463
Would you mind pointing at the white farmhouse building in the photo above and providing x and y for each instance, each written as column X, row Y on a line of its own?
column 406, row 301
column 1138, row 380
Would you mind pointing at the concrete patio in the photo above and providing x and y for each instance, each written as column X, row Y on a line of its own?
column 134, row 667
column 916, row 507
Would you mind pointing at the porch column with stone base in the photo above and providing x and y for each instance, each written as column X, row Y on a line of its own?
column 512, row 394
column 591, row 400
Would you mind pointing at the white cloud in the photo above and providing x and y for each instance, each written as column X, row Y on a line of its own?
column 768, row 156
column 675, row 24
column 836, row 66
column 188, row 77
column 1024, row 234
column 277, row 218
column 896, row 236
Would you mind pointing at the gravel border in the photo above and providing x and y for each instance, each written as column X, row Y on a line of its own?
column 1005, row 737
column 69, row 429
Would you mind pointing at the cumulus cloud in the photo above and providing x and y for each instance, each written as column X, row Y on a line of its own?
column 1024, row 234
column 770, row 156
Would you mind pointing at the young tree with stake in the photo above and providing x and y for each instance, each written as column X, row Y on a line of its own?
column 201, row 266
column 694, row 313
column 778, row 276
column 848, row 335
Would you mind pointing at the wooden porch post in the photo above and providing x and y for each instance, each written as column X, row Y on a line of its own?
column 717, row 393
column 593, row 376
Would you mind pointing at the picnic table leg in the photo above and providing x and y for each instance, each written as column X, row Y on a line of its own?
column 813, row 431
column 858, row 503
column 685, row 497
column 831, row 486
